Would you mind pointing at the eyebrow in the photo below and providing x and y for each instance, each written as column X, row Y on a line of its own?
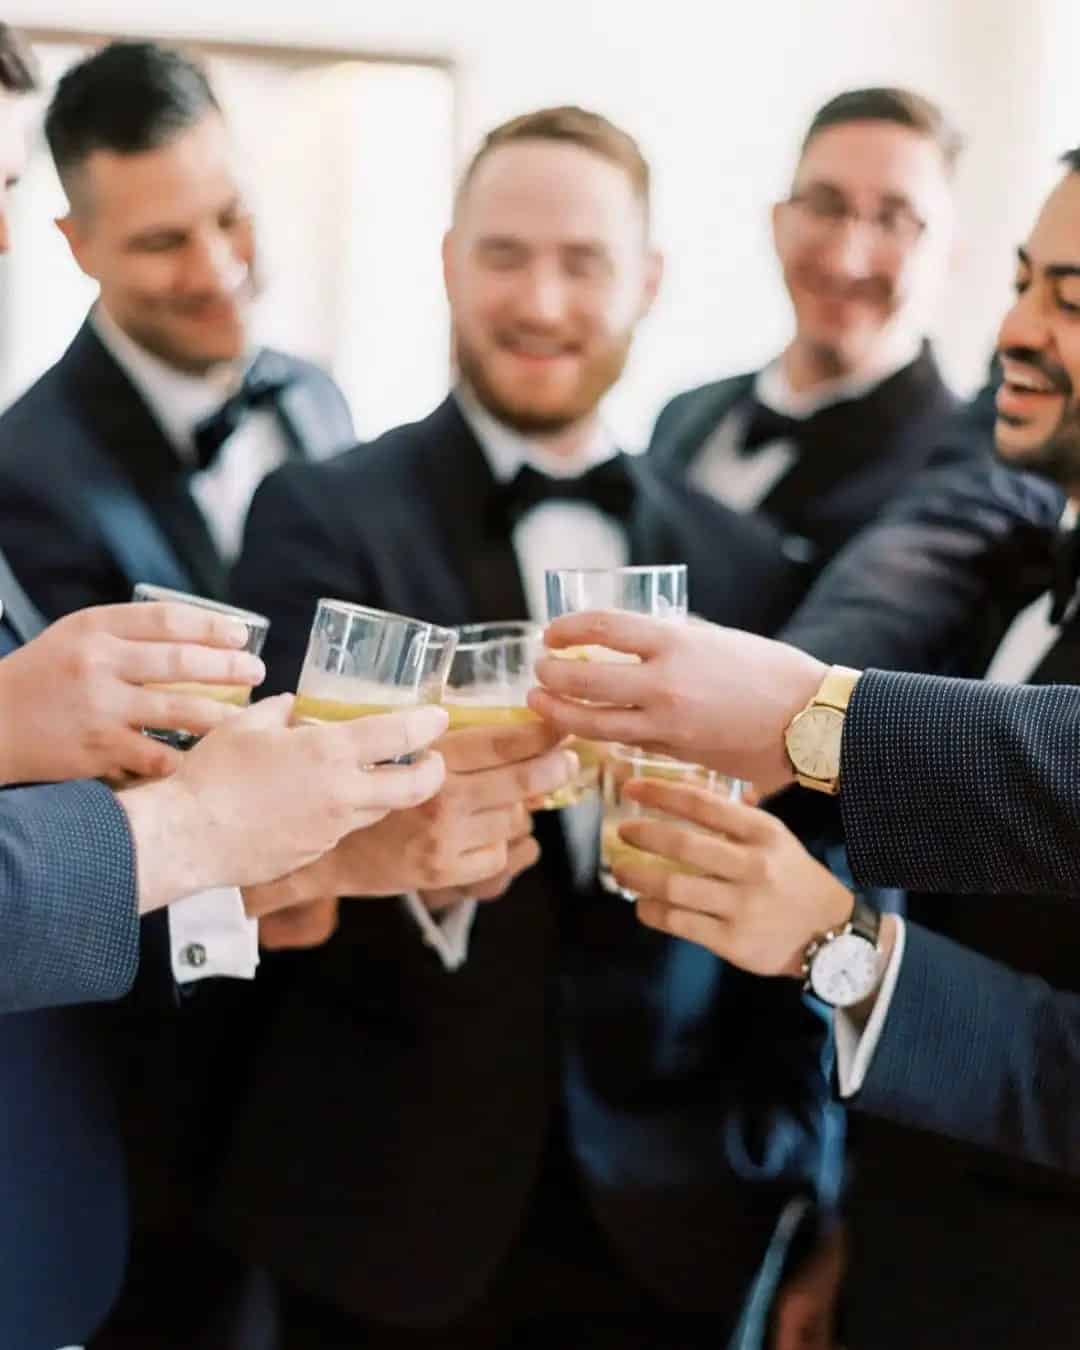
column 1054, row 270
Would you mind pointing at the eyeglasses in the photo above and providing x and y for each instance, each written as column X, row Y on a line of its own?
column 895, row 226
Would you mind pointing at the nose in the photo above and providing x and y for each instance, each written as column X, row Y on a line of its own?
column 850, row 251
column 214, row 264
column 542, row 298
column 1025, row 324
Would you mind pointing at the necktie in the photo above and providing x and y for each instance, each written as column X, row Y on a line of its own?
column 266, row 377
column 1066, row 558
column 608, row 486
column 766, row 425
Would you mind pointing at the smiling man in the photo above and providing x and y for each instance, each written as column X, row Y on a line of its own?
column 823, row 436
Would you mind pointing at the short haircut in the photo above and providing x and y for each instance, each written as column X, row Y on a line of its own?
column 899, row 106
column 570, row 126
column 127, row 97
column 18, row 68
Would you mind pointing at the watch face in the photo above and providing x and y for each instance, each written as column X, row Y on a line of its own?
column 845, row 971
column 813, row 742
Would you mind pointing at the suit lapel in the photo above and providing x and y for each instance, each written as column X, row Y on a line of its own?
column 143, row 507
column 19, row 612
column 702, row 418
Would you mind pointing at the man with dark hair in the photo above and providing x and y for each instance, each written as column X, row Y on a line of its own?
column 962, row 1031
column 818, row 440
column 134, row 458
column 559, row 1131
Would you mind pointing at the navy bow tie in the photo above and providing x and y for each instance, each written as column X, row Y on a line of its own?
column 766, row 425
column 265, row 379
column 608, row 486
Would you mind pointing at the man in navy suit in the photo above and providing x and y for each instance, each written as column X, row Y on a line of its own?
column 969, row 1031
column 831, row 429
column 134, row 458
column 529, row 1120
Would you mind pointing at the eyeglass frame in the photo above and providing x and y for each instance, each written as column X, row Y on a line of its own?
column 831, row 221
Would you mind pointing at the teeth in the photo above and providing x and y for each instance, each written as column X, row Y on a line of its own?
column 1029, row 383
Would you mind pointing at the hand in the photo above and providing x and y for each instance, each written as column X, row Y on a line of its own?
column 473, row 837
column 712, row 695
column 761, row 898
column 804, row 1314
column 300, row 926
column 74, row 700
column 259, row 799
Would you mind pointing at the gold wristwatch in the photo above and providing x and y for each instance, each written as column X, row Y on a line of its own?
column 814, row 735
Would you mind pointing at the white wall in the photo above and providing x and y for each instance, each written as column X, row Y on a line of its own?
column 718, row 93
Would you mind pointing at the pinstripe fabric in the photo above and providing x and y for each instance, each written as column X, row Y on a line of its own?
column 68, row 912
column 956, row 785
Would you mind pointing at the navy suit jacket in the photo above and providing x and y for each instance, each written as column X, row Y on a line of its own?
column 70, row 930
column 93, row 496
column 387, row 1152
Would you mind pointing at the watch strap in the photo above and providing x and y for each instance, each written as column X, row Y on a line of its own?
column 836, row 688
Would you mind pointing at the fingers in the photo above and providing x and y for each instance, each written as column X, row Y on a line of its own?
column 675, row 890
column 302, row 926
column 396, row 787
column 709, row 853
column 496, row 826
column 477, row 748
column 388, row 736
column 180, row 663
column 516, row 783
column 701, row 929
column 702, row 806
column 169, row 622
column 593, row 724
column 179, row 712
column 269, row 714
column 622, row 632
column 141, row 756
column 522, row 854
column 595, row 681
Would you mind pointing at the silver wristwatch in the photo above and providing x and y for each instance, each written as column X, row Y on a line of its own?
column 843, row 966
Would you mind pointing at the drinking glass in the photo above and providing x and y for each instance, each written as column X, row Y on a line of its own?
column 363, row 661
column 491, row 673
column 240, row 695
column 623, row 764
column 657, row 591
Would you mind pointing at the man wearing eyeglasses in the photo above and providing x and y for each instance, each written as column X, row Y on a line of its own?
column 825, row 434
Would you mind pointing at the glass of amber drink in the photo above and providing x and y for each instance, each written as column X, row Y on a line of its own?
column 622, row 765
column 657, row 591
column 491, row 673
column 238, row 694
column 363, row 661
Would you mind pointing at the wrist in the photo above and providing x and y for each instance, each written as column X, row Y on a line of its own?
column 169, row 840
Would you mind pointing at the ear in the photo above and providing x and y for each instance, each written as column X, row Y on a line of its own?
column 654, row 276
column 776, row 222
column 448, row 261
column 76, row 236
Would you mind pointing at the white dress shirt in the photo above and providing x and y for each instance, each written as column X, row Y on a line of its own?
column 209, row 933
column 1019, row 654
column 553, row 534
column 744, row 481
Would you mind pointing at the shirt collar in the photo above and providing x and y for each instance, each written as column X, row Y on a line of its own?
column 178, row 399
column 507, row 450
column 773, row 389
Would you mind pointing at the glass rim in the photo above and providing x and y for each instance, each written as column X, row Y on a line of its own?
column 638, row 570
column 529, row 632
column 369, row 612
column 166, row 595
column 634, row 753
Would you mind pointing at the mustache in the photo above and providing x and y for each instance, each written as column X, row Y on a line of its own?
column 1055, row 374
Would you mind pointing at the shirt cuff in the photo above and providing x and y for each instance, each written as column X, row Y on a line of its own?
column 210, row 934
column 448, row 935
column 855, row 1050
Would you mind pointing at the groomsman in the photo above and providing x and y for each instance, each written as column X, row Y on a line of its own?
column 825, row 434
column 134, row 458
column 538, row 1118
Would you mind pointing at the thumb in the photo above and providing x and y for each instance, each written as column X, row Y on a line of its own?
column 266, row 715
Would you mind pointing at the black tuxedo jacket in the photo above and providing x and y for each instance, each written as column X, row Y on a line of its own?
column 869, row 450
column 392, row 1137
column 93, row 496
column 969, row 791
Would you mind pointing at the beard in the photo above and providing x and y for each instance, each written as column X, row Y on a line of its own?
column 1057, row 456
column 537, row 417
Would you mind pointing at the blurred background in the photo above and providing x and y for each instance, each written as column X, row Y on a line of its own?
column 355, row 115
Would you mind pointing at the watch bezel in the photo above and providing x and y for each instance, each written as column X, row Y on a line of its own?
column 815, row 713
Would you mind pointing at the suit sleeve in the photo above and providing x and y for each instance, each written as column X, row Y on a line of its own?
column 962, row 786
column 934, row 583
column 69, row 919
column 978, row 1052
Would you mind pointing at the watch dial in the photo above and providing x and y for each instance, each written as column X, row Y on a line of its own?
column 845, row 971
column 814, row 742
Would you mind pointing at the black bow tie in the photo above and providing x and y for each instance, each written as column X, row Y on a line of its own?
column 608, row 486
column 1066, row 556
column 265, row 379
column 766, row 425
